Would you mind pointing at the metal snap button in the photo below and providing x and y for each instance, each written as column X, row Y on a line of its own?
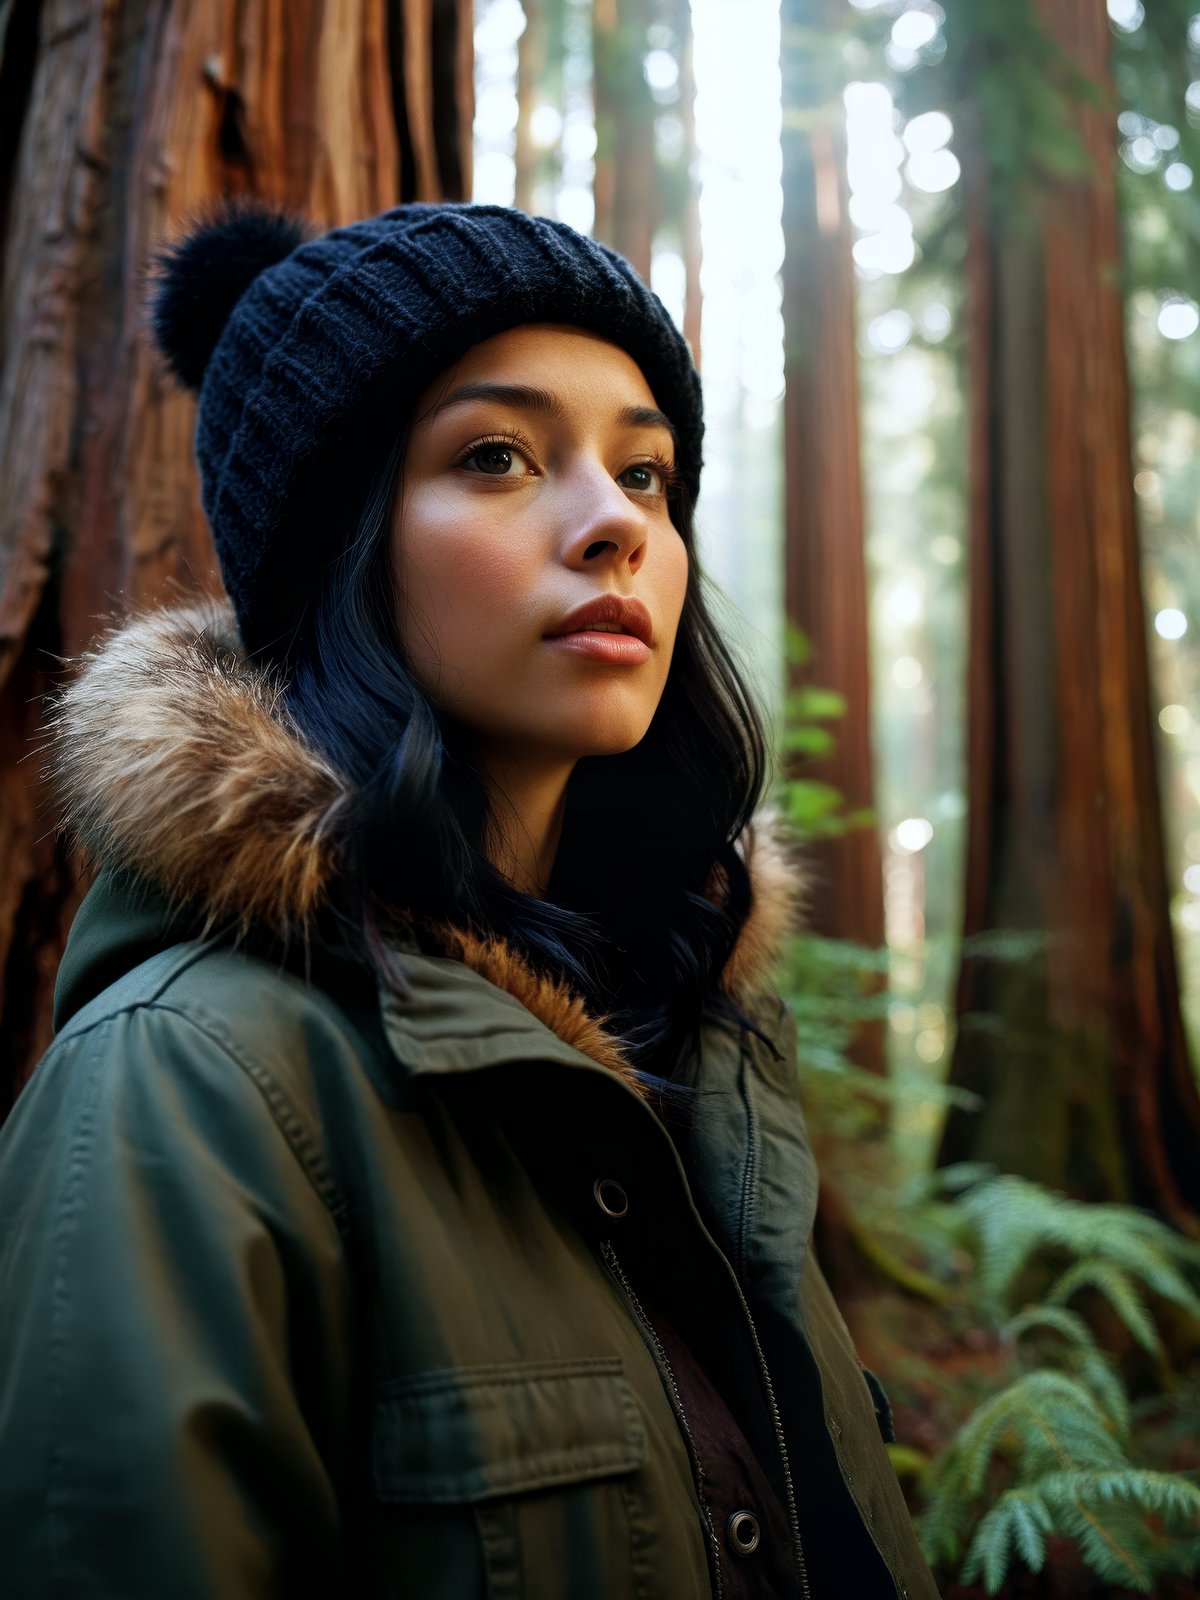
column 743, row 1533
column 610, row 1197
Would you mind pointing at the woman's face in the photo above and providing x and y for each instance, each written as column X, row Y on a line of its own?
column 534, row 483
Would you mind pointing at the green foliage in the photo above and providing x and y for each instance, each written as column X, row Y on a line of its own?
column 833, row 986
column 814, row 810
column 1114, row 1246
column 1022, row 91
column 1013, row 91
column 1104, row 1513
column 1050, row 1454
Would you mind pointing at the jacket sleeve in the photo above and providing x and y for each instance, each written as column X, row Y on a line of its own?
column 172, row 1316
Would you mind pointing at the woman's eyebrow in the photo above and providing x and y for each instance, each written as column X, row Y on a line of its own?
column 543, row 403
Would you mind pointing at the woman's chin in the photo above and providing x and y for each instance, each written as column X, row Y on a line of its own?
column 602, row 735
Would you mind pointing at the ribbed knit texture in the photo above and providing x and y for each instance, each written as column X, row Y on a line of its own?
column 326, row 352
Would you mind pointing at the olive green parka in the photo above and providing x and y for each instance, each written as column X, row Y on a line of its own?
column 308, row 1289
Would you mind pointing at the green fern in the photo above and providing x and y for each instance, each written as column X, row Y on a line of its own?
column 1017, row 1523
column 1013, row 1220
column 1055, row 1443
column 1073, row 1478
column 1104, row 1512
column 1120, row 1292
column 1069, row 1323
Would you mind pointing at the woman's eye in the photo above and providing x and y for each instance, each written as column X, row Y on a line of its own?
column 495, row 460
column 650, row 479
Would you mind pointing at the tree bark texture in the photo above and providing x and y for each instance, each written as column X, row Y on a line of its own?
column 1068, row 1000
column 825, row 563
column 119, row 122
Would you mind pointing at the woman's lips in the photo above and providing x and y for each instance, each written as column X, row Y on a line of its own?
column 608, row 613
column 619, row 649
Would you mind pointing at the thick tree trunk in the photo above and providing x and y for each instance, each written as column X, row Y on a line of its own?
column 119, row 121
column 825, row 577
column 1069, row 1018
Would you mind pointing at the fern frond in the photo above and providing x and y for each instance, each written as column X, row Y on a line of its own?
column 960, row 1175
column 1069, row 1323
column 1021, row 1518
column 1043, row 1416
column 1165, row 1494
column 1103, row 1511
column 941, row 1527
column 1097, row 1371
column 1114, row 1284
column 1014, row 1219
column 1115, row 1545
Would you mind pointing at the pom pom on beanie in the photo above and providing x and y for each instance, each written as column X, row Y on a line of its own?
column 309, row 352
column 200, row 278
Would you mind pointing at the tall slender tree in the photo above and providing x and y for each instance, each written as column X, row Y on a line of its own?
column 825, row 564
column 689, row 220
column 531, row 68
column 1068, row 997
column 117, row 121
column 628, row 202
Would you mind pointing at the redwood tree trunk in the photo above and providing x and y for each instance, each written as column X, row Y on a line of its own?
column 825, row 576
column 626, row 183
column 118, row 122
column 1068, row 1001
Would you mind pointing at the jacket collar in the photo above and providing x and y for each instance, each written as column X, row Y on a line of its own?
column 177, row 764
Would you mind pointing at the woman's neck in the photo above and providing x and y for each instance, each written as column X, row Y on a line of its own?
column 528, row 796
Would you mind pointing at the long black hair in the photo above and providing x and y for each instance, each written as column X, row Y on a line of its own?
column 648, row 892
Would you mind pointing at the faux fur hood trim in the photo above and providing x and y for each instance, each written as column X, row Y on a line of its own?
column 174, row 757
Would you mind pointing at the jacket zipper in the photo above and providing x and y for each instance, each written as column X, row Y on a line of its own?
column 748, row 1182
column 793, row 1516
column 618, row 1272
column 615, row 1267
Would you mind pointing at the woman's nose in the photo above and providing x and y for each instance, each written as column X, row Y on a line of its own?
column 604, row 525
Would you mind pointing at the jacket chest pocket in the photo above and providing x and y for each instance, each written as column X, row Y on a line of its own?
column 511, row 1481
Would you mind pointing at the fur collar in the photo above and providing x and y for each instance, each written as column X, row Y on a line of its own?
column 173, row 757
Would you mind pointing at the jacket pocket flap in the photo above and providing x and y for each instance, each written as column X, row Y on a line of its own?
column 472, row 1433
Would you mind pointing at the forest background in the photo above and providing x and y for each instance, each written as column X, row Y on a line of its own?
column 939, row 265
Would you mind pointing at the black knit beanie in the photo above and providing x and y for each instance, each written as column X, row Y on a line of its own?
column 309, row 353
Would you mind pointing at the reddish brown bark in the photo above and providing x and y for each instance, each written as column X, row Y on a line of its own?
column 1077, row 1045
column 825, row 568
column 131, row 117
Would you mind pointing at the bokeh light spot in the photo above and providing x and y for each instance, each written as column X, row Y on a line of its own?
column 907, row 671
column 913, row 29
column 911, row 835
column 890, row 332
column 1127, row 14
column 928, row 132
column 945, row 549
column 1170, row 623
column 933, row 171
column 1178, row 317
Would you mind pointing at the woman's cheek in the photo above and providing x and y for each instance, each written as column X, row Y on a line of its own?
column 469, row 601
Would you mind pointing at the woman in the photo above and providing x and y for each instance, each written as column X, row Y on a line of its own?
column 415, row 1198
